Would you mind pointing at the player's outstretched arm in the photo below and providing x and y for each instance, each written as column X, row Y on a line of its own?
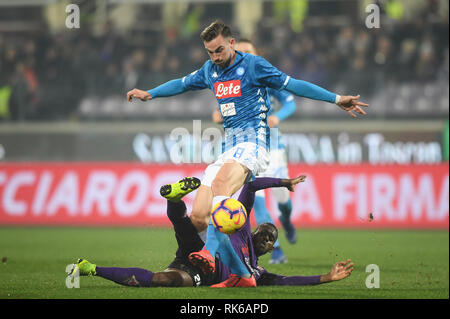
column 339, row 271
column 138, row 94
column 348, row 103
column 170, row 88
column 290, row 183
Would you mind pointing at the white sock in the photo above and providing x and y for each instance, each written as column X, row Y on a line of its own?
column 218, row 199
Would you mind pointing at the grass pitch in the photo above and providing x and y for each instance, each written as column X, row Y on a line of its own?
column 413, row 264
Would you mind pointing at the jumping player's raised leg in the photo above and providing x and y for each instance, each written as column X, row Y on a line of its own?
column 229, row 178
column 226, row 176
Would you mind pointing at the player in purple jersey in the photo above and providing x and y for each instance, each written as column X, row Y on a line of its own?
column 249, row 246
column 239, row 82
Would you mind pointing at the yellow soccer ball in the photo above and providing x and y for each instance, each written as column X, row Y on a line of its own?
column 228, row 216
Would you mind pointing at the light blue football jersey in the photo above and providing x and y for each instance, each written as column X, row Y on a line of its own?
column 242, row 96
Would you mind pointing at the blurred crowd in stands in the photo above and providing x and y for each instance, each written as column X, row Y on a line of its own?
column 45, row 76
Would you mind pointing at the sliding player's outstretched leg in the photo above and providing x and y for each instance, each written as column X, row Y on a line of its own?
column 176, row 191
column 134, row 277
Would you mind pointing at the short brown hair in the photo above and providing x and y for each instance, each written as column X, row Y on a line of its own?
column 214, row 30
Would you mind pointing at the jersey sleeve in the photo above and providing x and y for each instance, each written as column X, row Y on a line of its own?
column 269, row 279
column 265, row 74
column 197, row 80
column 287, row 101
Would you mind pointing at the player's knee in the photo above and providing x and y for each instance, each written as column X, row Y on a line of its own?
column 219, row 185
column 168, row 279
column 199, row 221
column 281, row 196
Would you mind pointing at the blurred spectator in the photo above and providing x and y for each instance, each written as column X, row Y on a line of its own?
column 48, row 74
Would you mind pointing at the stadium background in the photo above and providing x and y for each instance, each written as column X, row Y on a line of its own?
column 73, row 152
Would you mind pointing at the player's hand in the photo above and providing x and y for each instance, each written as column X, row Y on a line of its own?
column 138, row 94
column 273, row 121
column 351, row 104
column 290, row 183
column 217, row 117
column 341, row 270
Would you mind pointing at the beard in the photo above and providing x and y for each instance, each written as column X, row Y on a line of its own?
column 226, row 63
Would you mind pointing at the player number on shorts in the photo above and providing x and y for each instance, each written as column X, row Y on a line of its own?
column 238, row 152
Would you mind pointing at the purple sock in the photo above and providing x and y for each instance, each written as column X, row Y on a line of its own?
column 137, row 277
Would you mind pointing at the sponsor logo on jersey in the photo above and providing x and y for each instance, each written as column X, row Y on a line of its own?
column 228, row 109
column 227, row 89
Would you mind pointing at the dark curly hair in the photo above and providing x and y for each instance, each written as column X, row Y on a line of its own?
column 214, row 30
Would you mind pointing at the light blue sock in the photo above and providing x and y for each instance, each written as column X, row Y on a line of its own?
column 218, row 242
column 213, row 239
column 230, row 258
column 262, row 215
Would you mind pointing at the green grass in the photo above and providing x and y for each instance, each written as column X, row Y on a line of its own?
column 413, row 264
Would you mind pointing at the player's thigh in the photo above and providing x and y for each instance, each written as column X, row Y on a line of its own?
column 281, row 195
column 201, row 208
column 172, row 277
column 279, row 169
column 230, row 178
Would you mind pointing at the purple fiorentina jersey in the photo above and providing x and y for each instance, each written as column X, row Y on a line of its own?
column 240, row 241
column 241, row 92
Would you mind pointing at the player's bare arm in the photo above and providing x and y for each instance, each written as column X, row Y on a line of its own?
column 138, row 94
column 291, row 182
column 217, row 117
column 339, row 271
column 352, row 104
column 273, row 121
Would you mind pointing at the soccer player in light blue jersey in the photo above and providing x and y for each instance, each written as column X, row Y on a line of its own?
column 239, row 82
column 277, row 166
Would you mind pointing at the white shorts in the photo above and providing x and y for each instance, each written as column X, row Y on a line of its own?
column 252, row 156
column 277, row 168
